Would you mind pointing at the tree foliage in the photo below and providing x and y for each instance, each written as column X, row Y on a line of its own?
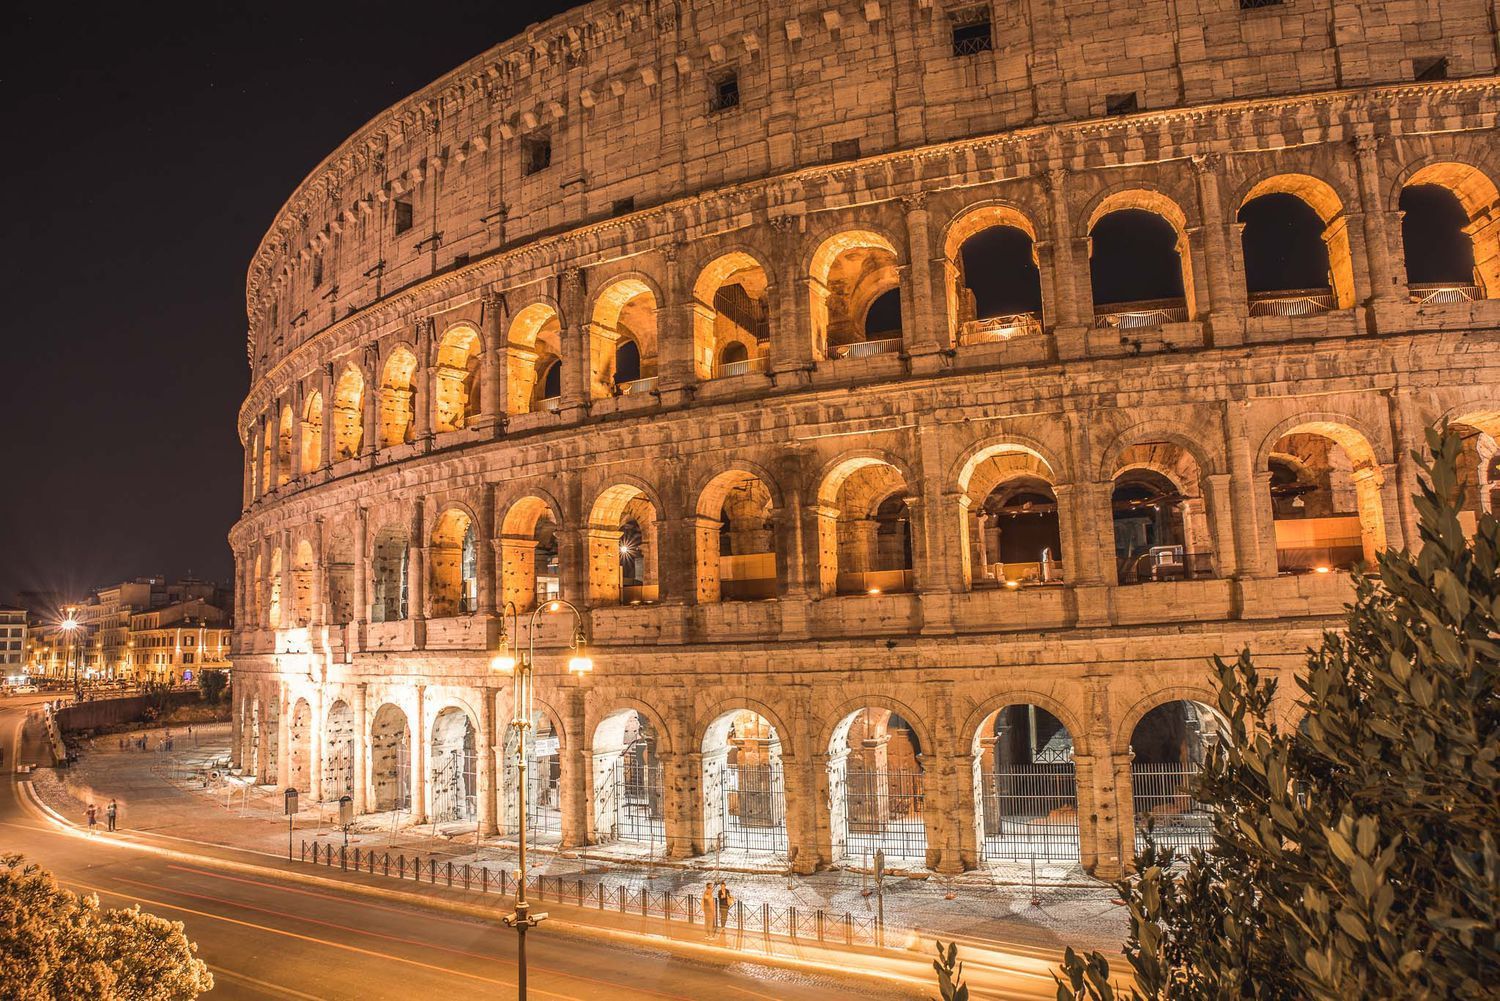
column 1353, row 857
column 56, row 944
column 211, row 685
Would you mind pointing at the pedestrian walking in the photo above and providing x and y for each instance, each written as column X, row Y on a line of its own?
column 726, row 901
column 93, row 814
column 710, row 916
column 110, row 812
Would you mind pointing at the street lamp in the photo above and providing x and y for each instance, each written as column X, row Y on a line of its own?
column 70, row 627
column 505, row 662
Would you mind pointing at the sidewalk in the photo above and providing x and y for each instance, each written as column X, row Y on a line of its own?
column 172, row 795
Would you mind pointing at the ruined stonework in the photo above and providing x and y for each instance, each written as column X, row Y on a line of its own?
column 798, row 347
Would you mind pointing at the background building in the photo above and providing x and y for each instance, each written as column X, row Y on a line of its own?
column 914, row 396
column 176, row 642
column 13, row 641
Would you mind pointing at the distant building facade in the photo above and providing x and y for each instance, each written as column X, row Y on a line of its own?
column 13, row 643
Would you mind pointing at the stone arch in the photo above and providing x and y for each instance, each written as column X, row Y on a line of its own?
column 1162, row 525
column 348, row 413
column 397, row 396
column 1321, row 197
column 1318, row 532
column 389, row 559
column 1168, row 741
column 848, row 270
column 1147, row 432
column 1023, row 749
column 1475, row 190
column 980, row 451
column 312, row 433
column 993, row 238
column 284, row 446
column 864, row 534
column 876, row 789
column 1010, row 518
column 736, row 511
column 338, row 751
column 629, row 792
column 456, row 394
column 304, row 566
column 623, row 312
column 1201, row 694
column 726, row 324
column 299, row 749
column 548, row 746
column 851, row 705
column 622, row 534
column 338, row 561
column 533, row 345
column 453, row 562
column 390, row 758
column 529, row 552
column 1147, row 198
column 743, row 783
column 453, row 763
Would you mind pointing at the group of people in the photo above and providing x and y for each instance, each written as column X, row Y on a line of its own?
column 111, row 812
column 716, row 905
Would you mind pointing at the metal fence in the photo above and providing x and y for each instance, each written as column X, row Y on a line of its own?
column 1163, row 795
column 1030, row 811
column 883, row 812
column 752, row 808
column 760, row 920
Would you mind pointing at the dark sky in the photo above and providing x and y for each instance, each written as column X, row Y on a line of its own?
column 148, row 147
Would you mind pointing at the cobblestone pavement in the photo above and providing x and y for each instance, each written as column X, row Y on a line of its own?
column 188, row 793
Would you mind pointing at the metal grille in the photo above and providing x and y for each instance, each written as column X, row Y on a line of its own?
column 637, row 795
column 338, row 769
column 455, row 785
column 543, row 799
column 883, row 812
column 1164, row 796
column 1030, row 811
column 753, row 810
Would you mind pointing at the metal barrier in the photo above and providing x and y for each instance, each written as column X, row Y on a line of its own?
column 764, row 920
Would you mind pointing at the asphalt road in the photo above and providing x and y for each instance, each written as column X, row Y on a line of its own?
column 264, row 937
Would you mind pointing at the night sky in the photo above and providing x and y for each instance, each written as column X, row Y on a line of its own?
column 148, row 148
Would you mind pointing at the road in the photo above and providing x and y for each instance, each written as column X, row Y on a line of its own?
column 266, row 937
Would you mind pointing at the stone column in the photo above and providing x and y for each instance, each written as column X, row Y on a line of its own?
column 371, row 403
column 1078, row 510
column 676, row 333
column 800, row 781
column 1249, row 498
column 484, row 553
column 419, row 804
column 325, row 456
column 299, row 419
column 416, row 579
column 273, row 439
column 1385, row 282
column 1218, row 492
column 361, row 791
column 791, row 334
column 1225, row 292
column 492, row 371
column 577, row 769
column 236, row 725
column 928, row 333
column 577, row 356
column 1405, row 432
column 317, row 614
column 317, row 741
column 682, row 802
column 361, row 575
column 1073, row 310
column 424, row 382
column 488, row 775
column 283, row 737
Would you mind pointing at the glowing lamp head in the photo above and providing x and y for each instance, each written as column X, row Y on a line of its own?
column 556, row 606
column 503, row 663
column 1322, row 569
column 1012, row 584
column 874, row 590
column 580, row 664
column 70, row 624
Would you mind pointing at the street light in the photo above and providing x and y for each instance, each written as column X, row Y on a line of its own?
column 69, row 626
column 505, row 662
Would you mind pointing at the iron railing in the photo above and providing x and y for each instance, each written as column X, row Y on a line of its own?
column 1292, row 302
column 763, row 920
column 1318, row 559
column 1030, row 811
column 1141, row 315
column 1147, row 568
column 1164, row 798
column 636, row 387
column 752, row 806
column 1444, row 293
column 729, row 369
column 883, row 811
column 869, row 349
column 992, row 329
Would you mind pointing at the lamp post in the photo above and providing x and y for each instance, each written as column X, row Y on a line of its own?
column 69, row 628
column 504, row 662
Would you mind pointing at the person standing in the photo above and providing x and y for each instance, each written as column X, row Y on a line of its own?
column 93, row 814
column 110, row 812
column 725, row 902
column 710, row 918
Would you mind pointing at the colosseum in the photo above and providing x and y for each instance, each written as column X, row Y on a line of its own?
column 910, row 396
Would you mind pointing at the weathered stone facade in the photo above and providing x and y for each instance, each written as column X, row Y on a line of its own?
column 600, row 314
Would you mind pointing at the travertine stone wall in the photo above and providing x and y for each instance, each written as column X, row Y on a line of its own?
column 399, row 397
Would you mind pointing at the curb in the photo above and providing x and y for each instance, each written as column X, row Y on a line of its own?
column 30, row 799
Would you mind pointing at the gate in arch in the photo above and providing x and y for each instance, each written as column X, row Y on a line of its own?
column 1025, row 786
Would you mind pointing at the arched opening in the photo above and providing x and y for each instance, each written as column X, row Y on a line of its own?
column 396, row 398
column 628, row 788
column 456, row 396
column 543, row 781
column 744, row 797
column 622, row 534
column 1025, row 787
column 284, row 447
column 1167, row 750
column 1478, row 468
column 864, row 530
column 856, row 299
column 1295, row 242
column 1137, row 263
column 273, row 611
column 994, row 283
column 340, row 574
column 624, row 314
column 299, row 739
column 266, row 464
column 1160, row 519
column 1009, row 520
column 453, row 566
column 388, row 567
column 348, row 415
column 736, row 540
column 1325, row 499
column 534, row 360
column 390, row 759
column 1450, row 231
column 257, row 592
column 303, row 569
column 876, row 795
column 731, row 317
column 453, row 767
column 529, row 570
column 312, row 433
column 338, row 752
